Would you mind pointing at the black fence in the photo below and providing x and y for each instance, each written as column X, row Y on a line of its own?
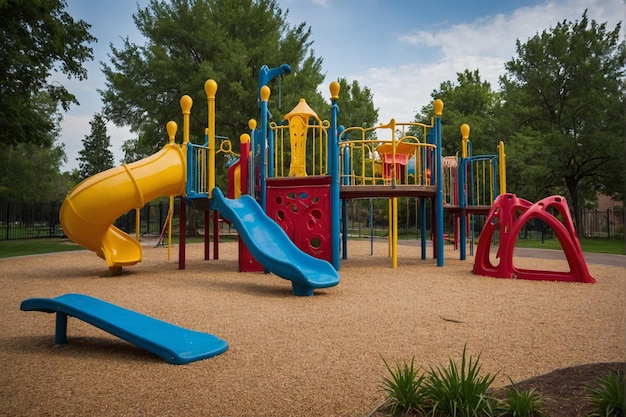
column 41, row 220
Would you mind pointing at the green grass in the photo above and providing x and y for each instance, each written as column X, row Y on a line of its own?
column 612, row 246
column 21, row 247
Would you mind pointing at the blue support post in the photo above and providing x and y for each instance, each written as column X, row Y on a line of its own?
column 333, row 168
column 345, row 157
column 263, row 152
column 270, row 153
column 60, row 332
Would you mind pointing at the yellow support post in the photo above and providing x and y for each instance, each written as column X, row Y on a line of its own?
column 185, row 105
column 171, row 128
column 465, row 131
column 502, row 167
column 210, row 88
column 394, row 234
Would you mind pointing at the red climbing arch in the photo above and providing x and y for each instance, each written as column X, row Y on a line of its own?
column 508, row 215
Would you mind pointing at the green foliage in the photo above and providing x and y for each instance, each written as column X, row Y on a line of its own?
column 470, row 101
column 356, row 105
column 453, row 391
column 30, row 171
column 404, row 387
column 459, row 390
column 190, row 41
column 607, row 396
column 563, row 103
column 521, row 404
column 95, row 156
column 37, row 38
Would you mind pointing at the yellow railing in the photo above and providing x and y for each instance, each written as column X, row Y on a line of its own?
column 380, row 154
column 314, row 158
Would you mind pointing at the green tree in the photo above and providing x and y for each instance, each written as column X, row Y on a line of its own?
column 564, row 106
column 356, row 105
column 470, row 100
column 30, row 171
column 190, row 41
column 37, row 38
column 96, row 155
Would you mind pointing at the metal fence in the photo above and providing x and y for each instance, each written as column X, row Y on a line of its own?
column 41, row 220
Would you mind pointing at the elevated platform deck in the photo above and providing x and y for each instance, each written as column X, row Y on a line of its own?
column 381, row 191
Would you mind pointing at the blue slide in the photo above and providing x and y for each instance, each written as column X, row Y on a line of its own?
column 272, row 248
column 175, row 344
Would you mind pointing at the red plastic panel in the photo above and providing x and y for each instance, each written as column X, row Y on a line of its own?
column 301, row 206
column 508, row 215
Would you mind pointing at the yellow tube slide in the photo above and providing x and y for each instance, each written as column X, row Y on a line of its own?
column 88, row 212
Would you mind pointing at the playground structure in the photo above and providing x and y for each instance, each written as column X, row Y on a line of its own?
column 507, row 216
column 286, row 189
column 174, row 344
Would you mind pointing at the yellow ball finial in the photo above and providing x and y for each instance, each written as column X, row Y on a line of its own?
column 244, row 138
column 438, row 105
column 210, row 88
column 334, row 90
column 171, row 128
column 265, row 93
column 465, row 131
column 185, row 104
column 251, row 124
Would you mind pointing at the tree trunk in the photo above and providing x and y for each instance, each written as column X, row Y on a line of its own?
column 572, row 188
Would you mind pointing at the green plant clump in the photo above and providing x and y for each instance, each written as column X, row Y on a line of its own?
column 521, row 404
column 404, row 387
column 460, row 391
column 607, row 396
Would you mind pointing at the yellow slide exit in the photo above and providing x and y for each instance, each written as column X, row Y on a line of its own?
column 88, row 212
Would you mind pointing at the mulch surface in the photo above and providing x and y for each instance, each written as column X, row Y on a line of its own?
column 300, row 356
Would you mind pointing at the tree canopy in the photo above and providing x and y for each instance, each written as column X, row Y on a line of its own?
column 37, row 37
column 190, row 41
column 472, row 101
column 563, row 111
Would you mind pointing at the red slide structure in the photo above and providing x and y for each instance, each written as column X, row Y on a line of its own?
column 508, row 215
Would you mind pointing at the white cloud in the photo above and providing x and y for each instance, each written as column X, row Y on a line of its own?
column 484, row 44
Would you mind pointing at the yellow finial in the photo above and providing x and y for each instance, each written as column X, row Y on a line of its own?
column 244, row 138
column 265, row 93
column 210, row 88
column 185, row 104
column 438, row 105
column 171, row 127
column 251, row 124
column 465, row 130
column 334, row 90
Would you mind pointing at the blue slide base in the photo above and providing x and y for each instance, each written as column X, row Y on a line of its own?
column 174, row 344
column 272, row 248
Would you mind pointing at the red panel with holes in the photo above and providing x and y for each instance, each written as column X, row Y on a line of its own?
column 301, row 206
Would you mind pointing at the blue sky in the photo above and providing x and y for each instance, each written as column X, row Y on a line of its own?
column 401, row 49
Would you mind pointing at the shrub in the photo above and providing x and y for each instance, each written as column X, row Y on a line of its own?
column 460, row 391
column 404, row 387
column 521, row 404
column 607, row 396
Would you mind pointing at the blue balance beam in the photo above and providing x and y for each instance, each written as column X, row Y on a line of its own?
column 174, row 344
